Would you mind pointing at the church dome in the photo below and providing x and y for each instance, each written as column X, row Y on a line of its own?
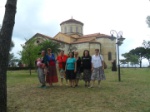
column 71, row 21
column 71, row 27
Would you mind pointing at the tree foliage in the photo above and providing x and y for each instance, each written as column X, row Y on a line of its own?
column 55, row 46
column 12, row 59
column 31, row 52
column 148, row 20
column 146, row 45
column 139, row 52
column 130, row 58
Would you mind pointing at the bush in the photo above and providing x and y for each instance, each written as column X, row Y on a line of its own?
column 20, row 68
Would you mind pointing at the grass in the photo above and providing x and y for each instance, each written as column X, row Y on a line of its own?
column 132, row 94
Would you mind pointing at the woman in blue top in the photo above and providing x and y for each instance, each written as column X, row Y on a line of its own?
column 71, row 69
column 51, row 76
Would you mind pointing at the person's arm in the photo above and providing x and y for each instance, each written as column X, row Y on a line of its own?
column 75, row 66
column 53, row 57
column 102, row 61
column 66, row 66
column 92, row 67
column 47, row 60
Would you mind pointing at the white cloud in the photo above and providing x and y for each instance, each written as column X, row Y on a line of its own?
column 17, row 41
column 44, row 16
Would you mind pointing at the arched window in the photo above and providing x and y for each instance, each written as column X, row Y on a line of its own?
column 76, row 29
column 65, row 30
column 109, row 56
column 70, row 28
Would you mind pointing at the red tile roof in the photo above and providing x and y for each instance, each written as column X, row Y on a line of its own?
column 48, row 37
column 94, row 35
column 82, row 40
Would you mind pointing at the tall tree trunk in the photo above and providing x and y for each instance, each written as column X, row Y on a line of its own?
column 140, row 63
column 5, row 41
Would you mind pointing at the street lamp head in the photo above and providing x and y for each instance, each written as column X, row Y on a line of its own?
column 121, row 39
column 112, row 37
column 119, row 43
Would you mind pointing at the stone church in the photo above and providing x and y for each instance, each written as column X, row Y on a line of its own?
column 71, row 38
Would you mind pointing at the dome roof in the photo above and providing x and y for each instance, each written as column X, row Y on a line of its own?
column 71, row 21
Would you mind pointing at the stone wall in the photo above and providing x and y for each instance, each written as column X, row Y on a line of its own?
column 107, row 46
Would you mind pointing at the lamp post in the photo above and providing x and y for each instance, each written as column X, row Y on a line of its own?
column 119, row 40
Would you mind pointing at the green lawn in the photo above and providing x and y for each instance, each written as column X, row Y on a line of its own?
column 132, row 94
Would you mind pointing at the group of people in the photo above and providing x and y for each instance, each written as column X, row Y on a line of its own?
column 70, row 68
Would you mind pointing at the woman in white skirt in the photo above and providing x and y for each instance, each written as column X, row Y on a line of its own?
column 97, row 68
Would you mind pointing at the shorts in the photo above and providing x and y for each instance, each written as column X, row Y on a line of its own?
column 70, row 75
column 78, row 74
column 62, row 73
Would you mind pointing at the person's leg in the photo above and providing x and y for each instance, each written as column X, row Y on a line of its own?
column 39, row 74
column 42, row 77
column 61, row 77
column 85, row 83
column 93, row 78
column 92, row 83
column 66, row 77
column 73, row 83
column 85, row 77
column 100, row 76
column 76, row 82
column 70, row 81
column 88, row 84
column 89, row 77
column 61, row 81
column 99, row 81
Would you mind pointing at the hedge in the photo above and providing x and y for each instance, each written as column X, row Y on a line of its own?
column 20, row 68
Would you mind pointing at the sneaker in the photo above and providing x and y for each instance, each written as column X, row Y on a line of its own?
column 44, row 87
column 41, row 86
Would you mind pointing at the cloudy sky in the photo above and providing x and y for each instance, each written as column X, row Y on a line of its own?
column 44, row 16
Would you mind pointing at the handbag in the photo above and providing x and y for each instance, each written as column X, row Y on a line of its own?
column 105, row 65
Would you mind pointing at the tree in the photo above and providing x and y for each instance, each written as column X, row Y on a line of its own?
column 29, row 54
column 134, row 60
column 146, row 45
column 123, row 62
column 139, row 52
column 12, row 59
column 50, row 44
column 31, row 51
column 148, row 20
column 129, row 57
column 5, row 41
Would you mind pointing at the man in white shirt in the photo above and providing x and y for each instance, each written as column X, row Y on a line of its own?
column 97, row 68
